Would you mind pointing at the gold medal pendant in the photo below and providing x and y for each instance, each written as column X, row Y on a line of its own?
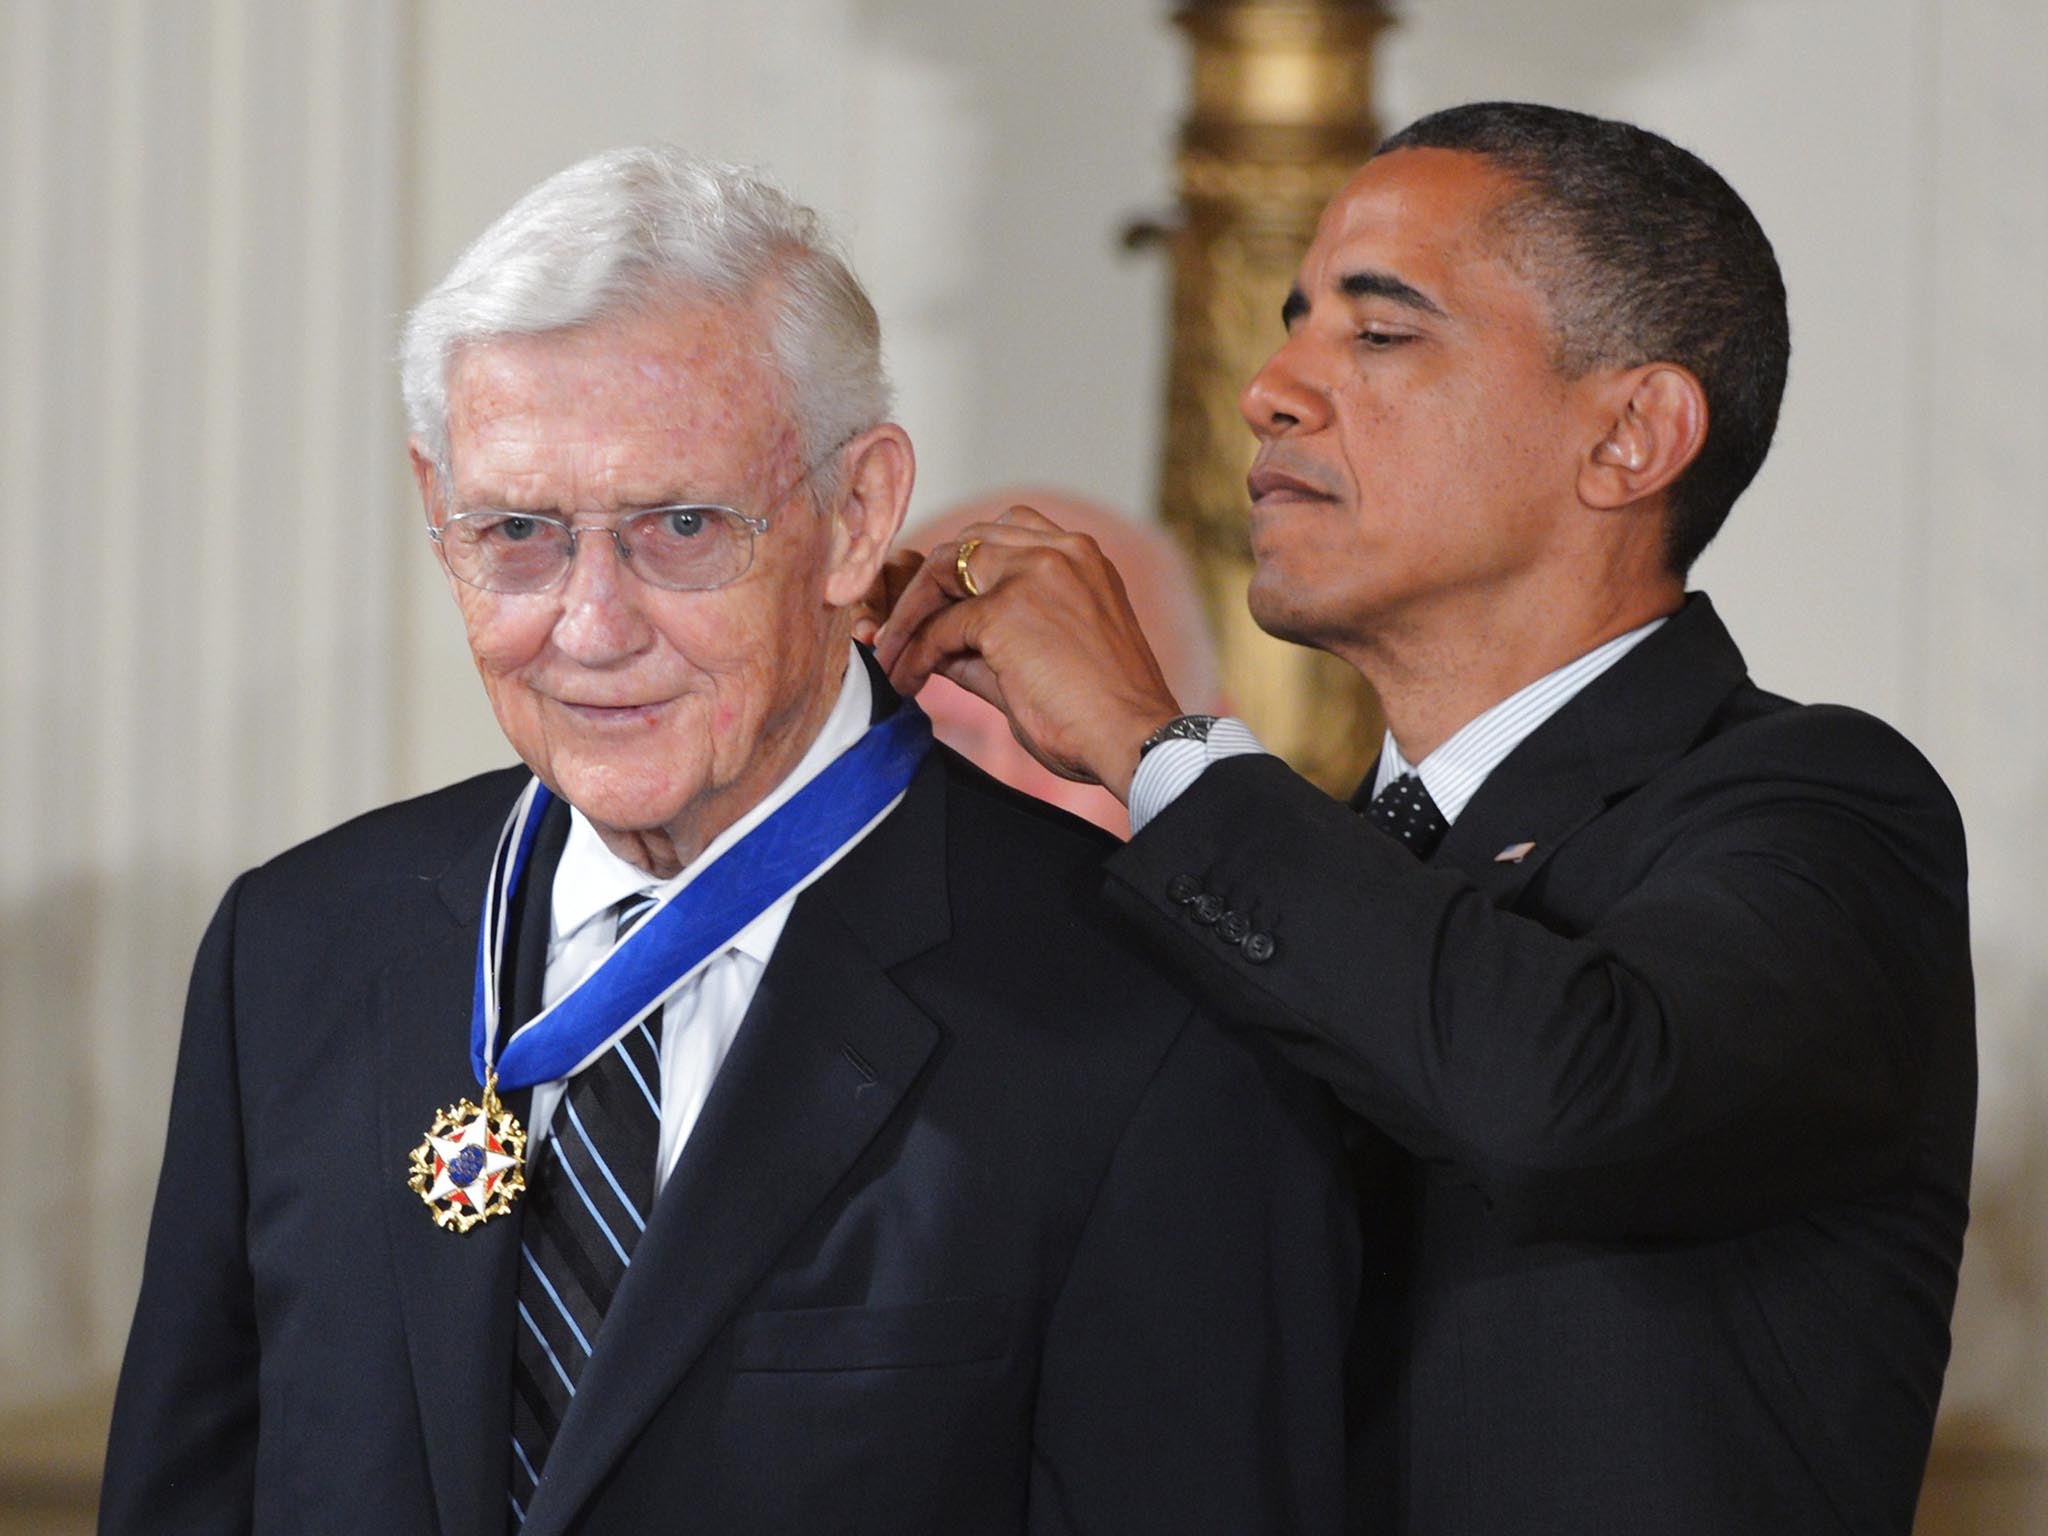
column 472, row 1165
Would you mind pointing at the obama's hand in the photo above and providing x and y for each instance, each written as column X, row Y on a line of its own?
column 1035, row 620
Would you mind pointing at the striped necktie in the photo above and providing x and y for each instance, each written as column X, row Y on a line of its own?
column 587, row 1204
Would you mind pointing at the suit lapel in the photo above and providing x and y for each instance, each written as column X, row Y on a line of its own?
column 1626, row 726
column 829, row 1048
column 456, row 1290
column 1543, row 792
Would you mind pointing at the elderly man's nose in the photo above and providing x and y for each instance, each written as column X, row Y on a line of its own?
column 601, row 615
column 594, row 562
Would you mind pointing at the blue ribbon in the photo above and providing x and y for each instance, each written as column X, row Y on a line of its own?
column 776, row 857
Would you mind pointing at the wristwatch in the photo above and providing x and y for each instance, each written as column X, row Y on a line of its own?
column 1179, row 728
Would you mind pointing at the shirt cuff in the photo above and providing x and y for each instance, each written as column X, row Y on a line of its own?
column 1169, row 768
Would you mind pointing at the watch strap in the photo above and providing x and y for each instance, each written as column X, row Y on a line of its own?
column 1179, row 728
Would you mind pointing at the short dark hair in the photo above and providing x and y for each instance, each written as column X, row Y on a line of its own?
column 1646, row 255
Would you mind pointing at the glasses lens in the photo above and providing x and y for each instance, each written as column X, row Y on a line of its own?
column 504, row 552
column 688, row 549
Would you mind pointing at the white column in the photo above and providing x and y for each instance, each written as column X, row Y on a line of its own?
column 200, row 284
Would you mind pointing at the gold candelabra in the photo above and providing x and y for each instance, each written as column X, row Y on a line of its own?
column 1282, row 115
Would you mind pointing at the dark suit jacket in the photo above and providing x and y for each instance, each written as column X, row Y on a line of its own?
column 982, row 1230
column 1683, row 1098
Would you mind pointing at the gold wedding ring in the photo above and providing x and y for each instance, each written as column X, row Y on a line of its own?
column 961, row 570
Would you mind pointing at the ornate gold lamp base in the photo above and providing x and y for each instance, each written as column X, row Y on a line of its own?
column 1282, row 116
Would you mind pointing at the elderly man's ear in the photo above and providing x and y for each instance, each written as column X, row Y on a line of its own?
column 874, row 495
column 425, row 477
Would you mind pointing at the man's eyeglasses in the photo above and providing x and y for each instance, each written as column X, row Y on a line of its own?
column 684, row 546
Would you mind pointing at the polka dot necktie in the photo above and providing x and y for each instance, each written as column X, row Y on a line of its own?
column 1404, row 811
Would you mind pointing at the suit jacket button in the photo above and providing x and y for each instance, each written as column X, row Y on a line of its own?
column 1184, row 889
column 1205, row 909
column 1257, row 947
column 1235, row 928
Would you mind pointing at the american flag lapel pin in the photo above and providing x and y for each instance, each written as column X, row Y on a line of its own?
column 1514, row 853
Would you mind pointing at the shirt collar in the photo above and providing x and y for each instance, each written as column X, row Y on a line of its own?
column 591, row 879
column 1454, row 771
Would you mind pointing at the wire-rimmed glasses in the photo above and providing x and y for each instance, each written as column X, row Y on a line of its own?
column 683, row 546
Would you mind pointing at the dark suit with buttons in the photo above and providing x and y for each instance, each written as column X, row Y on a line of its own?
column 983, row 1229
column 1677, row 1103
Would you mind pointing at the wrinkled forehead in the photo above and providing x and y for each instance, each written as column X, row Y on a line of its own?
column 684, row 374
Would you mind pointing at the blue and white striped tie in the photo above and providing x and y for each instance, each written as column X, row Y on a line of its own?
column 587, row 1204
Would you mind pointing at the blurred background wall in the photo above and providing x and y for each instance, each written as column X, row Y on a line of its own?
column 221, row 631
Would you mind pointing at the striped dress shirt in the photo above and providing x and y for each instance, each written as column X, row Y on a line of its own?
column 1452, row 773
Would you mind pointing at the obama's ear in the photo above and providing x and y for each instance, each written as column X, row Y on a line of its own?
column 1655, row 423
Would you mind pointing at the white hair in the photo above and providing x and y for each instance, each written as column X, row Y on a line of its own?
column 635, row 227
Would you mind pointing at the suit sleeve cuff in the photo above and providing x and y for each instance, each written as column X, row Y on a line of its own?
column 1168, row 769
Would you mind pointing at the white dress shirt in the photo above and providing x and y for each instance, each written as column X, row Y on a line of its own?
column 701, row 1018
column 1452, row 773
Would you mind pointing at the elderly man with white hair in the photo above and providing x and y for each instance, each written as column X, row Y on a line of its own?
column 734, row 1119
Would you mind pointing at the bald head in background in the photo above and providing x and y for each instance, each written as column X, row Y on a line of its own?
column 1161, row 584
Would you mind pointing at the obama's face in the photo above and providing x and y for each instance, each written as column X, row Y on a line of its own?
column 1417, row 442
